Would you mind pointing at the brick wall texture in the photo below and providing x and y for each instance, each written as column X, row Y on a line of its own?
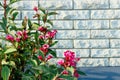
column 91, row 28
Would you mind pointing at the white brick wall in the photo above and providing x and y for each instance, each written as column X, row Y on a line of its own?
column 91, row 28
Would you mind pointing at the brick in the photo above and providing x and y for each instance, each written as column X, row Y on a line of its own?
column 62, row 24
column 91, row 4
column 115, row 24
column 99, row 43
column 72, row 34
column 115, row 52
column 82, row 43
column 115, row 43
column 114, row 3
column 72, row 14
column 93, row 62
column 105, row 34
column 91, row 43
column 105, row 52
column 30, row 14
column 105, row 14
column 114, row 61
column 91, row 24
column 64, row 44
column 56, row 4
column 100, row 53
column 78, row 52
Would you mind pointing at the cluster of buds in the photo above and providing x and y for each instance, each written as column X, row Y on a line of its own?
column 46, row 34
column 69, row 61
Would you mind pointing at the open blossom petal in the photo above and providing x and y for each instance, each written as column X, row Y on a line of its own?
column 45, row 46
column 61, row 62
column 42, row 29
column 76, row 74
column 35, row 8
column 10, row 38
column 65, row 72
column 19, row 33
column 44, row 50
column 18, row 39
column 49, row 57
column 40, row 57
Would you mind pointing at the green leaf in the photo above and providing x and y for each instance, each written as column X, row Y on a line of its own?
column 11, row 11
column 4, row 24
column 71, row 69
column 29, row 24
column 42, row 9
column 27, row 77
column 5, row 73
column 68, row 77
column 52, row 13
column 42, row 68
column 13, row 1
column 81, row 73
column 52, row 52
column 1, row 4
column 33, row 62
column 41, row 53
column 8, row 9
column 15, row 15
column 50, row 22
column 10, row 50
column 53, row 43
column 36, row 36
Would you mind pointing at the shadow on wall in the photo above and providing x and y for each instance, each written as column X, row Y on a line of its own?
column 101, row 73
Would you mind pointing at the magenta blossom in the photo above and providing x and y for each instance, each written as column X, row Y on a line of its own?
column 41, row 37
column 45, row 46
column 10, row 38
column 51, row 34
column 49, row 57
column 65, row 72
column 40, row 58
column 17, row 39
column 76, row 74
column 19, row 33
column 61, row 62
column 35, row 8
column 44, row 50
column 42, row 29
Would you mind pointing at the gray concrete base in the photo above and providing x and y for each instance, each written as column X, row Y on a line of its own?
column 101, row 73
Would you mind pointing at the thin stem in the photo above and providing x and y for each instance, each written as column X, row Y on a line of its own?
column 5, row 6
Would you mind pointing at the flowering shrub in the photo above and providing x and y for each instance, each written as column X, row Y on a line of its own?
column 27, row 50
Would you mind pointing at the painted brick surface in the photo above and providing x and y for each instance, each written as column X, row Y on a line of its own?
column 91, row 28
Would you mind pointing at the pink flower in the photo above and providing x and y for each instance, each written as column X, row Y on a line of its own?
column 44, row 50
column 41, row 37
column 40, row 57
column 77, row 59
column 54, row 31
column 10, row 38
column 35, row 8
column 25, row 36
column 65, row 72
column 19, row 33
column 69, row 55
column 45, row 46
column 49, row 57
column 51, row 34
column 76, row 74
column 42, row 29
column 17, row 39
column 61, row 62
